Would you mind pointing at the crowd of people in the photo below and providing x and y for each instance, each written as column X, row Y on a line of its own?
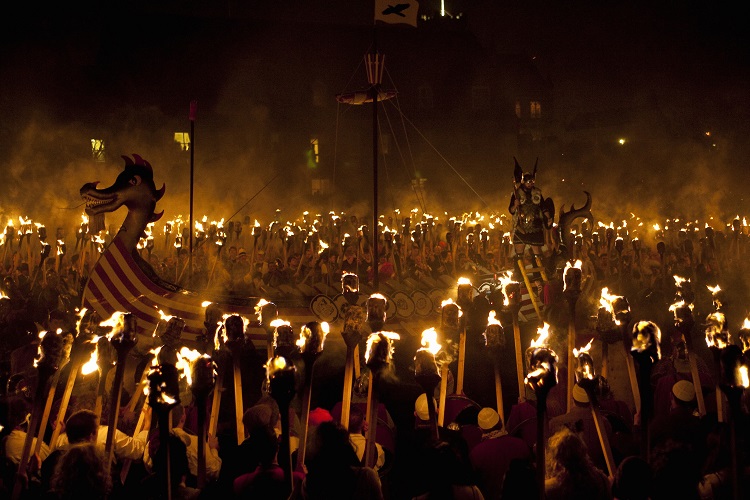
column 477, row 454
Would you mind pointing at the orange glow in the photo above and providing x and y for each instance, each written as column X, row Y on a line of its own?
column 429, row 341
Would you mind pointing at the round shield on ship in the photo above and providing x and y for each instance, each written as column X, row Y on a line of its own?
column 324, row 308
column 340, row 302
column 391, row 309
column 404, row 305
column 437, row 296
column 422, row 303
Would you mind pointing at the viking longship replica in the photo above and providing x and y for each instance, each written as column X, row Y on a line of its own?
column 122, row 281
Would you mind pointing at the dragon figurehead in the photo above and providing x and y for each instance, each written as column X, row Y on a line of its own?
column 135, row 189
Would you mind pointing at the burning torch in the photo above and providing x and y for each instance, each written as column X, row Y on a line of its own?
column 52, row 353
column 234, row 328
column 717, row 339
column 646, row 352
column 311, row 341
column 427, row 374
column 684, row 322
column 734, row 381
column 267, row 312
column 512, row 302
column 464, row 295
column 354, row 319
column 163, row 395
column 123, row 339
column 572, row 290
column 203, row 378
column 541, row 378
column 588, row 381
column 281, row 381
column 379, row 357
column 450, row 324
column 494, row 340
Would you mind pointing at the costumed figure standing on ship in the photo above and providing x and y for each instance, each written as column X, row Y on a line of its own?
column 532, row 214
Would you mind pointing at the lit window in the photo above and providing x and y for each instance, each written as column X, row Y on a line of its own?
column 536, row 109
column 313, row 154
column 97, row 150
column 183, row 139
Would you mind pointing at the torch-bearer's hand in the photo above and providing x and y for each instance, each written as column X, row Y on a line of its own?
column 35, row 465
column 213, row 443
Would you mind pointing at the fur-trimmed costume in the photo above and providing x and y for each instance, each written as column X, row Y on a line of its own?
column 528, row 219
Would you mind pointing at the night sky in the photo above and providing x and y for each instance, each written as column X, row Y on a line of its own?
column 131, row 68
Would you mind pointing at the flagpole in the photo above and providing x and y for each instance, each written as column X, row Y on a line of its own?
column 193, row 109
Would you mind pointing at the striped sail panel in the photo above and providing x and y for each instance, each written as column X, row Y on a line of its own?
column 527, row 307
column 117, row 283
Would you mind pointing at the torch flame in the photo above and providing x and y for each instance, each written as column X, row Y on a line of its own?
column 577, row 265
column 542, row 335
column 492, row 319
column 184, row 358
column 680, row 304
column 714, row 289
column 449, row 301
column 744, row 379
column 586, row 349
column 678, row 281
column 165, row 317
column 429, row 341
column 504, row 282
column 117, row 319
column 746, row 324
column 279, row 322
column 92, row 364
column 206, row 303
column 464, row 281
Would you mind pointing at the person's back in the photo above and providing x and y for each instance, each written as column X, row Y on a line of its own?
column 333, row 469
column 80, row 473
column 491, row 459
column 570, row 472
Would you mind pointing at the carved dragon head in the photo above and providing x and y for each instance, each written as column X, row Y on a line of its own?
column 134, row 188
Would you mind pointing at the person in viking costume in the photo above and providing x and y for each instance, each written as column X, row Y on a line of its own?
column 532, row 214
